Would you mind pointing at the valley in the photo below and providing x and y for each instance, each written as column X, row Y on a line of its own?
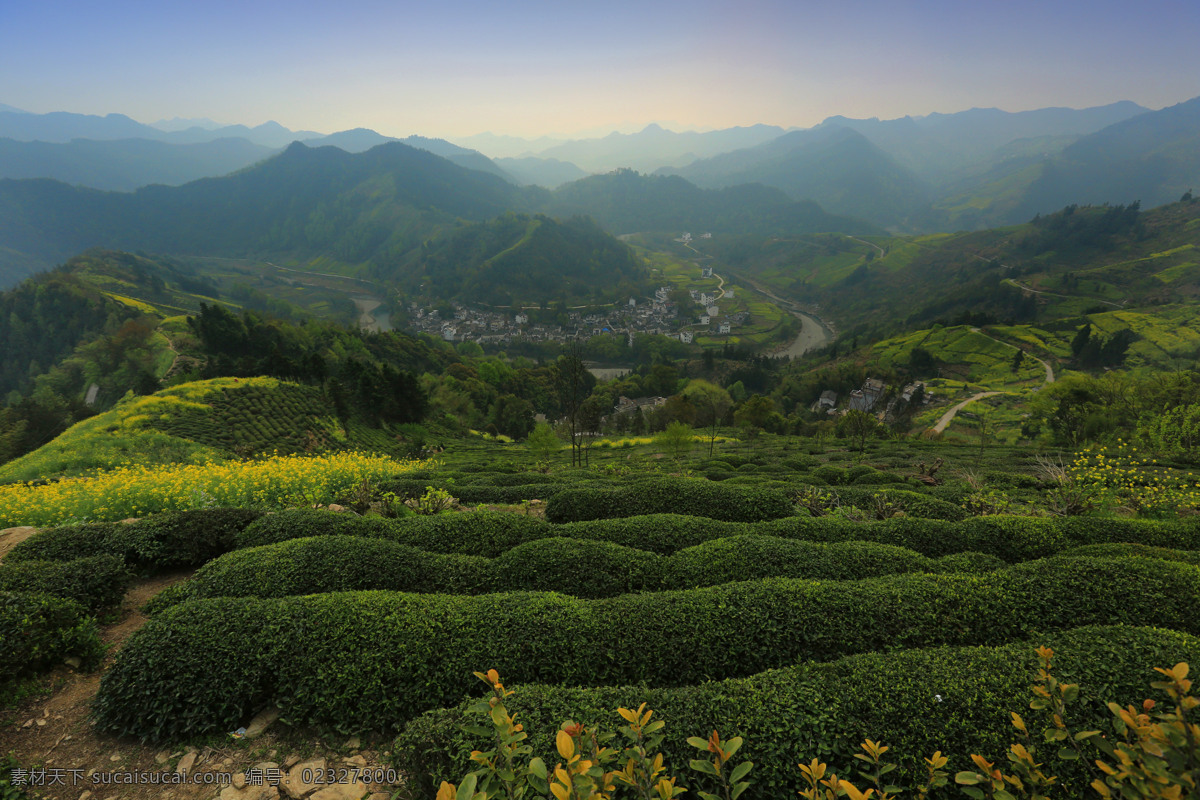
column 294, row 453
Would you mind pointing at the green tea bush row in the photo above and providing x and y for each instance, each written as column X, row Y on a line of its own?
column 915, row 504
column 1119, row 550
column 701, row 498
column 361, row 659
column 484, row 533
column 953, row 699
column 489, row 534
column 95, row 582
column 172, row 540
column 344, row 563
column 38, row 631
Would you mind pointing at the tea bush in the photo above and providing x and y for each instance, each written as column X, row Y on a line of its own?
column 352, row 660
column 699, row 497
column 95, row 582
column 38, row 631
column 160, row 542
column 342, row 563
column 952, row 699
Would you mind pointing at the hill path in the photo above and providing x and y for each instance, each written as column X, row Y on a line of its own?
column 948, row 417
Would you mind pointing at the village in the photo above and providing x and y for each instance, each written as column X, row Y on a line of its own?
column 660, row 315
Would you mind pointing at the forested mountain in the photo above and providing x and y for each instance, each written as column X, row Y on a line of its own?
column 125, row 164
column 62, row 127
column 942, row 148
column 1098, row 257
column 548, row 172
column 837, row 168
column 626, row 201
column 519, row 257
column 306, row 202
column 654, row 147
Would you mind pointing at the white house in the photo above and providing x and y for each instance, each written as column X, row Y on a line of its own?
column 705, row 319
column 724, row 328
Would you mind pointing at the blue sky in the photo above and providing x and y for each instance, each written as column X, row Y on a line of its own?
column 530, row 68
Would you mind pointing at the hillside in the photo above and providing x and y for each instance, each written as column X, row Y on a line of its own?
column 518, row 258
column 304, row 203
column 126, row 164
column 109, row 325
column 1070, row 261
column 837, row 168
column 1150, row 157
column 626, row 202
column 196, row 422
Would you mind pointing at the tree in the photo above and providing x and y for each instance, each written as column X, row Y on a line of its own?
column 542, row 442
column 755, row 414
column 712, row 403
column 512, row 416
column 921, row 362
column 573, row 383
column 857, row 425
column 675, row 439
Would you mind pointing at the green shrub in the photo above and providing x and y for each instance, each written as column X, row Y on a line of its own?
column 69, row 542
column 833, row 476
column 877, row 479
column 356, row 660
column 915, row 504
column 752, row 557
column 699, row 497
column 973, row 563
column 801, row 463
column 658, row 533
column 484, row 533
column 95, row 582
column 487, row 493
column 952, row 699
column 578, row 567
column 1121, row 550
column 330, row 564
column 171, row 540
column 38, row 631
column 299, row 523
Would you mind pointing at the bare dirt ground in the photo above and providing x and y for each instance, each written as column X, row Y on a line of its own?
column 50, row 736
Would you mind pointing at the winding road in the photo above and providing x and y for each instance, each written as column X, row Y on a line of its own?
column 945, row 420
column 948, row 417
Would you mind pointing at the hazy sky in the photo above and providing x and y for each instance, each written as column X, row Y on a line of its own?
column 528, row 67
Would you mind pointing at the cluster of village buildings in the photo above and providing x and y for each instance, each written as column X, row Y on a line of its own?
column 867, row 397
column 658, row 316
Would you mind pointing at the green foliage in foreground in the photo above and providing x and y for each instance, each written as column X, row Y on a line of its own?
column 96, row 582
column 208, row 664
column 345, row 563
column 38, row 631
column 955, row 700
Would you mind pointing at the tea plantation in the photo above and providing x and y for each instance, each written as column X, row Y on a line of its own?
column 798, row 602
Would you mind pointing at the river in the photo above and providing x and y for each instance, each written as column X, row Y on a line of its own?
column 370, row 319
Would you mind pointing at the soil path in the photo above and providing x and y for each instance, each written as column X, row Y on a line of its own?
column 948, row 417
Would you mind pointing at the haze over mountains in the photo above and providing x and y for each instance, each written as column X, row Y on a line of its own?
column 358, row 197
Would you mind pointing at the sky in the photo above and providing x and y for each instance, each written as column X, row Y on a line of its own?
column 531, row 68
